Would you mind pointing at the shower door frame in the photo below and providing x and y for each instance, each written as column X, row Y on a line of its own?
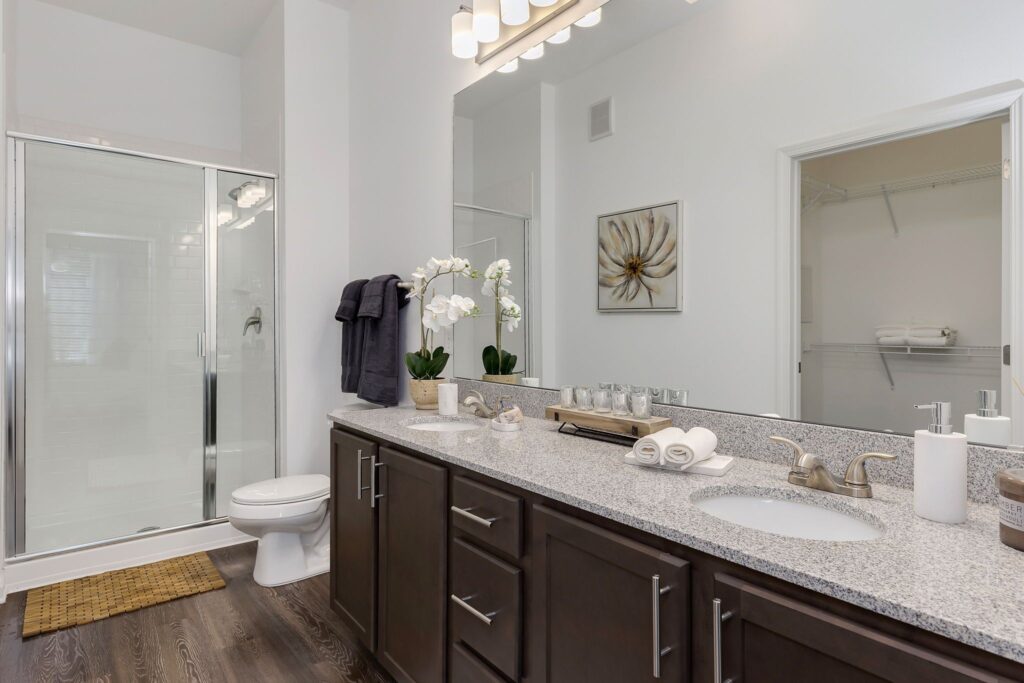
column 14, row 343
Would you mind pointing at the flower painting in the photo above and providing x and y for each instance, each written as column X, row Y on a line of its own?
column 639, row 260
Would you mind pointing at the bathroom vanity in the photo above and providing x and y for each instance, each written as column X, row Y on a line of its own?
column 535, row 556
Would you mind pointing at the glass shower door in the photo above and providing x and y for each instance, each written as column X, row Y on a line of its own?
column 114, row 306
column 246, row 407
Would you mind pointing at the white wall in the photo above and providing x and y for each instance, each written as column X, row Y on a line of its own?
column 746, row 78
column 262, row 77
column 315, row 248
column 77, row 77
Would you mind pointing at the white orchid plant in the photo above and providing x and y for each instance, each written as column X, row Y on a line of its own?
column 507, row 314
column 442, row 311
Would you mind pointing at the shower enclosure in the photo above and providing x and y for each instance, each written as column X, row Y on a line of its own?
column 141, row 343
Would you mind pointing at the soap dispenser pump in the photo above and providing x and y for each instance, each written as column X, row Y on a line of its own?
column 988, row 426
column 940, row 468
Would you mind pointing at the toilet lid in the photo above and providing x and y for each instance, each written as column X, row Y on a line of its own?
column 283, row 490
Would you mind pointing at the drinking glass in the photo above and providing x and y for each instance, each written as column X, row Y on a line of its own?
column 584, row 398
column 641, row 405
column 620, row 402
column 602, row 400
column 567, row 400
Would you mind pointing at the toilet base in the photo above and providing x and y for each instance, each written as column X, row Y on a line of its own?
column 281, row 558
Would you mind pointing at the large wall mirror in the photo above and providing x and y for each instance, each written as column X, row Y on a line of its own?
column 637, row 205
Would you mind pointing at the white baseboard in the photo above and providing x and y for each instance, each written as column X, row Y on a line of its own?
column 46, row 570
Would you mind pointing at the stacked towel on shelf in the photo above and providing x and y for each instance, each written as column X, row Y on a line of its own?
column 900, row 334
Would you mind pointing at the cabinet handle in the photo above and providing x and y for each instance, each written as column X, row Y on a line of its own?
column 464, row 604
column 656, row 592
column 716, row 637
column 373, row 481
column 468, row 514
column 359, row 474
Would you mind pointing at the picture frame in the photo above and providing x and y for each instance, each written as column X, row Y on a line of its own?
column 640, row 259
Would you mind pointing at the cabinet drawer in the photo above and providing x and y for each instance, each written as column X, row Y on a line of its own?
column 488, row 515
column 486, row 606
column 466, row 667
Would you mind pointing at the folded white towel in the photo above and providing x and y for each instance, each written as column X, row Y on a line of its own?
column 650, row 450
column 892, row 330
column 932, row 341
column 696, row 445
column 893, row 341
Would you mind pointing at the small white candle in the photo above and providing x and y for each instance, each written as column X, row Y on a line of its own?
column 448, row 399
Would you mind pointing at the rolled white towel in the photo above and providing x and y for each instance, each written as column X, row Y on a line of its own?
column 892, row 330
column 695, row 446
column 893, row 341
column 932, row 341
column 650, row 450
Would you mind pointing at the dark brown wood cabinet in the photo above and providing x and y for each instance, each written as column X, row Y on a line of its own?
column 766, row 637
column 354, row 535
column 608, row 608
column 568, row 596
column 412, row 545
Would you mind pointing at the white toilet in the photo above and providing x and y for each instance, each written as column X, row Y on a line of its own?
column 289, row 517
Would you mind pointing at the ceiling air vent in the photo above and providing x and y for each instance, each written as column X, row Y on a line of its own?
column 602, row 122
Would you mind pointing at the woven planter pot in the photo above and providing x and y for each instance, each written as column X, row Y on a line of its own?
column 424, row 392
column 502, row 379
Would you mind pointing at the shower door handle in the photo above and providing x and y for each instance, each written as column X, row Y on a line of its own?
column 201, row 344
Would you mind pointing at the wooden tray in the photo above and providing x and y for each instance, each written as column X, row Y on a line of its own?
column 606, row 422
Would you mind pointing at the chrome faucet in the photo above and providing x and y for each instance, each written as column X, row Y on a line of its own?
column 808, row 470
column 475, row 400
column 254, row 320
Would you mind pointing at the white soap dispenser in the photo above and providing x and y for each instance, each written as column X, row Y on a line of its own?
column 940, row 468
column 988, row 426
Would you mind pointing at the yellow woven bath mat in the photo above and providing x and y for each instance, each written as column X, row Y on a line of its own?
column 81, row 601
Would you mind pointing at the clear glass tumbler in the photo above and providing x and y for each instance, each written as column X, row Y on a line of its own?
column 641, row 403
column 620, row 403
column 602, row 401
column 568, row 400
column 584, row 398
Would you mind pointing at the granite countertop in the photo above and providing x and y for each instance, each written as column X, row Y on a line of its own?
column 956, row 581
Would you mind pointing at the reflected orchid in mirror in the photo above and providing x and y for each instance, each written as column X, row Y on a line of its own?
column 507, row 313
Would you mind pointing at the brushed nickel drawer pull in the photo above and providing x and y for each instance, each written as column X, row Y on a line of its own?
column 656, row 592
column 468, row 514
column 360, row 459
column 716, row 637
column 373, row 481
column 464, row 604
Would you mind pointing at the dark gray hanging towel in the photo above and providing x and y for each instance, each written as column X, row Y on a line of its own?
column 351, row 335
column 381, row 367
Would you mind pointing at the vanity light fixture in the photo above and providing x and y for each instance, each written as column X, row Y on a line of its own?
column 510, row 67
column 464, row 44
column 248, row 194
column 515, row 12
column 486, row 20
column 562, row 36
column 592, row 19
column 535, row 52
column 225, row 214
column 542, row 3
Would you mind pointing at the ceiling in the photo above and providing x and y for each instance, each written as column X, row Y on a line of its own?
column 222, row 25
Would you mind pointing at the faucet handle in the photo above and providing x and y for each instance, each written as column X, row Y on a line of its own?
column 801, row 461
column 857, row 474
column 798, row 450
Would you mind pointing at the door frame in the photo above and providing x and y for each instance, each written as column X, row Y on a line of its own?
column 13, row 466
column 1003, row 98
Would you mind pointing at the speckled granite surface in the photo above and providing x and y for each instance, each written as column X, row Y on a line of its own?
column 747, row 436
column 957, row 581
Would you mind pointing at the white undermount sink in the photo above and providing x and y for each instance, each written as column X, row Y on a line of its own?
column 444, row 426
column 788, row 517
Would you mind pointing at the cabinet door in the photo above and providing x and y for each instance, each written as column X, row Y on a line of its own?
column 608, row 608
column 412, row 542
column 770, row 638
column 353, row 534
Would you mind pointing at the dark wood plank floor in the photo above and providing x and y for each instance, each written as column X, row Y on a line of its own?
column 243, row 633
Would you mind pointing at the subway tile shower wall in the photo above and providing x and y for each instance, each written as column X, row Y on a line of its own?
column 747, row 436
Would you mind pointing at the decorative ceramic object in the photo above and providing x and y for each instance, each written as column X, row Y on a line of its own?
column 424, row 392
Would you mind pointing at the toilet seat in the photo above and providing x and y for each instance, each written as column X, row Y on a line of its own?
column 265, row 511
column 283, row 490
